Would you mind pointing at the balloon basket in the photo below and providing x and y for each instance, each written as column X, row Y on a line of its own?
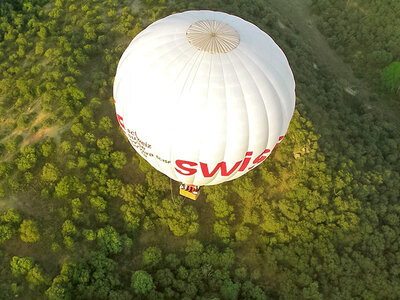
column 189, row 194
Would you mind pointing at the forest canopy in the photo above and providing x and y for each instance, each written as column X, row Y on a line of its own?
column 365, row 33
column 83, row 216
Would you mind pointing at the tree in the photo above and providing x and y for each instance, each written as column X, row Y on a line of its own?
column 194, row 250
column 6, row 232
column 221, row 229
column 82, row 162
column 118, row 159
column 65, row 146
column 35, row 277
column 194, row 246
column 89, row 234
column 76, row 205
column 380, row 58
column 152, row 256
column 42, row 33
column 98, row 203
column 92, row 277
column 63, row 187
column 229, row 290
column 47, row 148
column 3, row 170
column 49, row 172
column 22, row 121
column 11, row 146
column 39, row 48
column 68, row 228
column 69, row 242
column 142, row 282
column 105, row 124
column 105, row 144
column 164, row 277
column 251, row 291
column 11, row 217
column 77, row 129
column 28, row 178
column 172, row 261
column 114, row 187
column 20, row 265
column 180, row 219
column 311, row 292
column 9, row 221
column 109, row 240
column 27, row 158
column 29, row 231
column 391, row 77
column 242, row 233
column 80, row 148
column 241, row 273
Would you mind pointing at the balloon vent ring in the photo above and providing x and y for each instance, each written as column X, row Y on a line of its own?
column 212, row 36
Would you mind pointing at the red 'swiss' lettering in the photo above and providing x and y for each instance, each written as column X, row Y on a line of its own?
column 246, row 161
column 185, row 170
column 259, row 159
column 279, row 141
column 222, row 166
column 121, row 122
column 188, row 168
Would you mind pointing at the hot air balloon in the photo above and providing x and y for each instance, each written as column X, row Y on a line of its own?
column 204, row 97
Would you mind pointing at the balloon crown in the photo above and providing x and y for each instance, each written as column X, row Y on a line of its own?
column 213, row 36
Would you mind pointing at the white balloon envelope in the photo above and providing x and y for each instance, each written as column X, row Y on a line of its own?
column 204, row 96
